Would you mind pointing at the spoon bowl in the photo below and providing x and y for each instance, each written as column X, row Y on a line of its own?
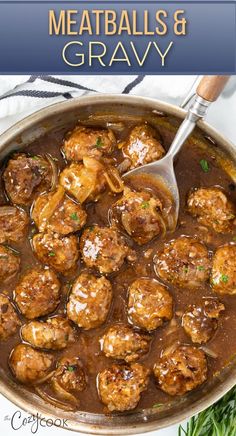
column 208, row 91
column 163, row 172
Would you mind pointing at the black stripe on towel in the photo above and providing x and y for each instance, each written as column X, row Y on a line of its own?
column 67, row 95
column 32, row 79
column 132, row 84
column 36, row 94
column 64, row 83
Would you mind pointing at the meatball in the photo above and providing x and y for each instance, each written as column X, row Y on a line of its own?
column 201, row 322
column 183, row 262
column 122, row 342
column 13, row 224
column 103, row 248
column 25, row 176
column 89, row 301
column 142, row 146
column 140, row 215
column 9, row 263
column 29, row 365
column 86, row 141
column 37, row 293
column 9, row 320
column 86, row 181
column 223, row 275
column 60, row 252
column 149, row 304
column 181, row 370
column 56, row 212
column 120, row 386
column 212, row 208
column 54, row 334
column 69, row 375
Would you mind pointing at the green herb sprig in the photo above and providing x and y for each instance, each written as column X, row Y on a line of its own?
column 204, row 165
column 217, row 420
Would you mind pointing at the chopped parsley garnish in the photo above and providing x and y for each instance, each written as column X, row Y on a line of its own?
column 99, row 143
column 51, row 254
column 91, row 228
column 145, row 204
column 185, row 269
column 204, row 165
column 224, row 278
column 200, row 268
column 75, row 217
column 71, row 368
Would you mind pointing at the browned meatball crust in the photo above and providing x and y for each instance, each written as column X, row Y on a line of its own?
column 29, row 365
column 120, row 386
column 37, row 293
column 56, row 212
column 9, row 320
column 103, row 248
column 60, row 252
column 9, row 263
column 86, row 141
column 140, row 215
column 223, row 275
column 124, row 343
column 69, row 375
column 89, row 301
column 212, row 208
column 149, row 304
column 201, row 322
column 54, row 334
column 25, row 176
column 13, row 224
column 181, row 370
column 183, row 262
column 142, row 146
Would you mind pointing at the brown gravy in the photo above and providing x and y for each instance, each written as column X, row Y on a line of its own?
column 189, row 174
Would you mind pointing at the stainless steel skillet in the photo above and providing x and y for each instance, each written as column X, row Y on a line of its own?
column 65, row 115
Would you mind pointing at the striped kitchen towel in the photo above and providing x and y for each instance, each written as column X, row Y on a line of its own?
column 22, row 95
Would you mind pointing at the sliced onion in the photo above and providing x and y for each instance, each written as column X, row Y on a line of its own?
column 170, row 349
column 92, row 163
column 54, row 181
column 7, row 210
column 126, row 223
column 116, row 126
column 63, row 393
column 53, row 401
column 110, row 173
column 209, row 352
column 124, row 166
column 88, row 180
column 161, row 220
column 44, row 379
column 50, row 207
column 173, row 326
column 171, row 222
column 113, row 180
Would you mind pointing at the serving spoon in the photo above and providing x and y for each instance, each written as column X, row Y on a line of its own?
column 208, row 90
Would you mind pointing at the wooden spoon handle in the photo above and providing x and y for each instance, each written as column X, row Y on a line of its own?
column 211, row 87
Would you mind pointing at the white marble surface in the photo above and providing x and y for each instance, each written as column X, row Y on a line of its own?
column 222, row 116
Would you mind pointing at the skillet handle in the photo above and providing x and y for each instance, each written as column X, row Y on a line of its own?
column 210, row 87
